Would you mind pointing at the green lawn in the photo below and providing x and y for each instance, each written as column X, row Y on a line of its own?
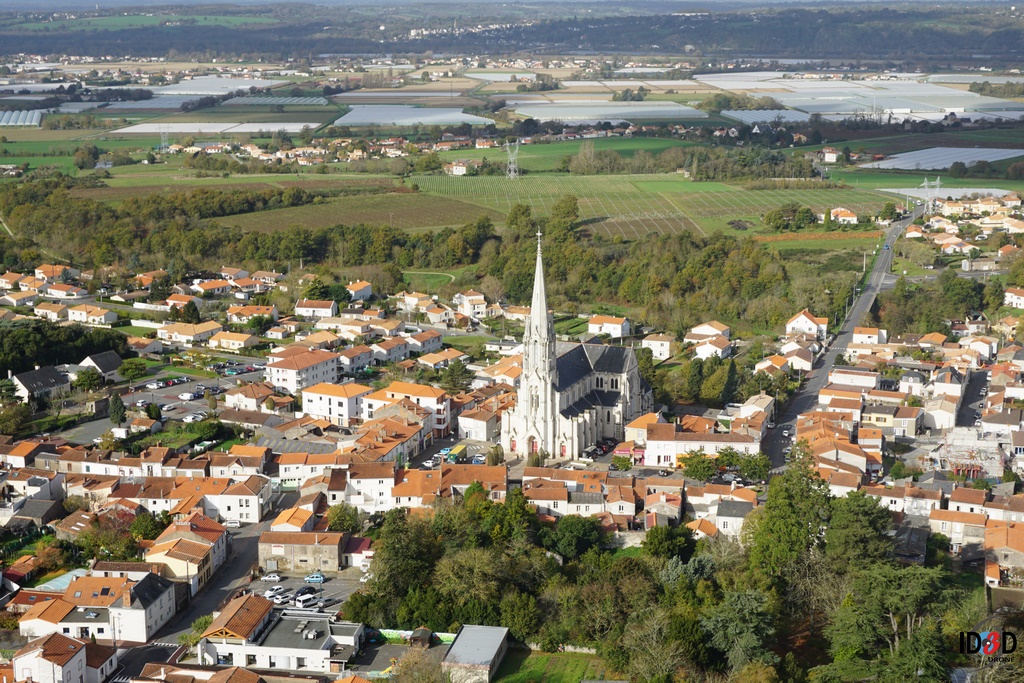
column 463, row 341
column 426, row 283
column 133, row 331
column 535, row 667
column 196, row 372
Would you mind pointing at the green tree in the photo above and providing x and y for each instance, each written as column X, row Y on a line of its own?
column 669, row 542
column 8, row 392
column 520, row 614
column 146, row 527
column 191, row 638
column 793, row 517
column 404, row 556
column 75, row 503
column 316, row 290
column 153, row 412
column 118, row 414
column 623, row 463
column 456, row 377
column 743, row 627
column 132, row 369
column 344, row 517
column 698, row 466
column 645, row 365
column 572, row 536
column 190, row 313
column 857, row 532
column 756, row 467
column 13, row 417
column 888, row 211
column 88, row 379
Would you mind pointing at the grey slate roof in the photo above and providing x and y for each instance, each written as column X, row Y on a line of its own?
column 42, row 379
column 105, row 362
column 734, row 508
column 476, row 645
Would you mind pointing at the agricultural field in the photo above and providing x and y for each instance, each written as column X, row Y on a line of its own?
column 629, row 208
column 407, row 211
column 528, row 667
column 548, row 157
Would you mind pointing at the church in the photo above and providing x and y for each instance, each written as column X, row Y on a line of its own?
column 571, row 395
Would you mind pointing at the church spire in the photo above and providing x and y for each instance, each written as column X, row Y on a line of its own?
column 539, row 322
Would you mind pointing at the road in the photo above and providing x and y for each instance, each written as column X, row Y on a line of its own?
column 806, row 398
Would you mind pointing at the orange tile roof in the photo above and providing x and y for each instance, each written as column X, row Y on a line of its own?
column 348, row 390
column 56, row 648
column 240, row 617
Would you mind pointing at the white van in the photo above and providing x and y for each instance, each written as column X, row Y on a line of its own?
column 308, row 600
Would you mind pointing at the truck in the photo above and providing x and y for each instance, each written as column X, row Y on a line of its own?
column 457, row 454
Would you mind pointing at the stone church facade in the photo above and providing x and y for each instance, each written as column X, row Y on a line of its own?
column 570, row 395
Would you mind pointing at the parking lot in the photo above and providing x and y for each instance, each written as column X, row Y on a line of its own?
column 334, row 591
column 167, row 396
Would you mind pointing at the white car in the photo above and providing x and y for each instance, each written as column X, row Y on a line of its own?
column 274, row 591
column 232, row 524
column 154, row 385
column 785, row 432
column 271, row 577
column 187, row 396
column 282, row 599
column 193, row 417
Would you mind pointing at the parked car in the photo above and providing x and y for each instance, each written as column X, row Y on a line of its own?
column 315, row 577
column 305, row 590
column 786, row 432
column 479, row 460
column 282, row 599
column 232, row 524
column 274, row 591
column 188, row 396
column 271, row 577
column 154, row 385
column 192, row 417
column 141, row 403
column 612, row 467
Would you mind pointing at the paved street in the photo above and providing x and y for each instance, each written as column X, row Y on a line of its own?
column 807, row 397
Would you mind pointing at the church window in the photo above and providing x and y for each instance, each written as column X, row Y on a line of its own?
column 615, row 383
column 600, row 382
column 608, row 415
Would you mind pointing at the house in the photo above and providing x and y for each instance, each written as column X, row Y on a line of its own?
column 434, row 400
column 610, row 325
column 298, row 371
column 249, row 632
column 181, row 300
column 40, row 383
column 252, row 396
column 301, row 551
column 19, row 299
column 476, row 653
column 717, row 346
column 965, row 530
column 390, row 350
column 339, row 404
column 10, row 280
column 772, row 364
column 187, row 333
column 360, row 290
column 191, row 549
column 106, row 363
column 233, row 341
column 470, row 304
column 312, row 308
column 232, row 274
column 243, row 314
column 355, row 359
column 480, row 425
column 91, row 315
column 51, row 659
column 831, row 155
column 1013, row 297
column 211, row 288
column 805, row 323
column 294, row 520
column 51, row 311
column 659, row 344
column 65, row 292
column 441, row 359
column 843, row 216
column 869, row 335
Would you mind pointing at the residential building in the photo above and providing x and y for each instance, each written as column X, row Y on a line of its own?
column 91, row 315
column 659, row 344
column 233, row 341
column 311, row 308
column 339, row 404
column 805, row 323
column 296, row 372
column 360, row 290
column 610, row 325
column 188, row 334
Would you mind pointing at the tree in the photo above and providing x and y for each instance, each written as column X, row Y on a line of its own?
column 146, row 527
column 573, row 535
column 654, row 654
column 88, row 379
column 698, row 466
column 13, row 417
column 50, row 554
column 520, row 614
column 756, row 467
column 958, row 169
column 132, row 369
column 888, row 211
column 191, row 638
column 793, row 517
column 344, row 517
column 117, row 410
column 8, row 392
column 742, row 626
column 623, row 463
column 857, row 532
column 316, row 290
column 645, row 364
column 153, row 412
column 75, row 503
column 190, row 313
column 669, row 542
column 211, row 400
column 456, row 377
